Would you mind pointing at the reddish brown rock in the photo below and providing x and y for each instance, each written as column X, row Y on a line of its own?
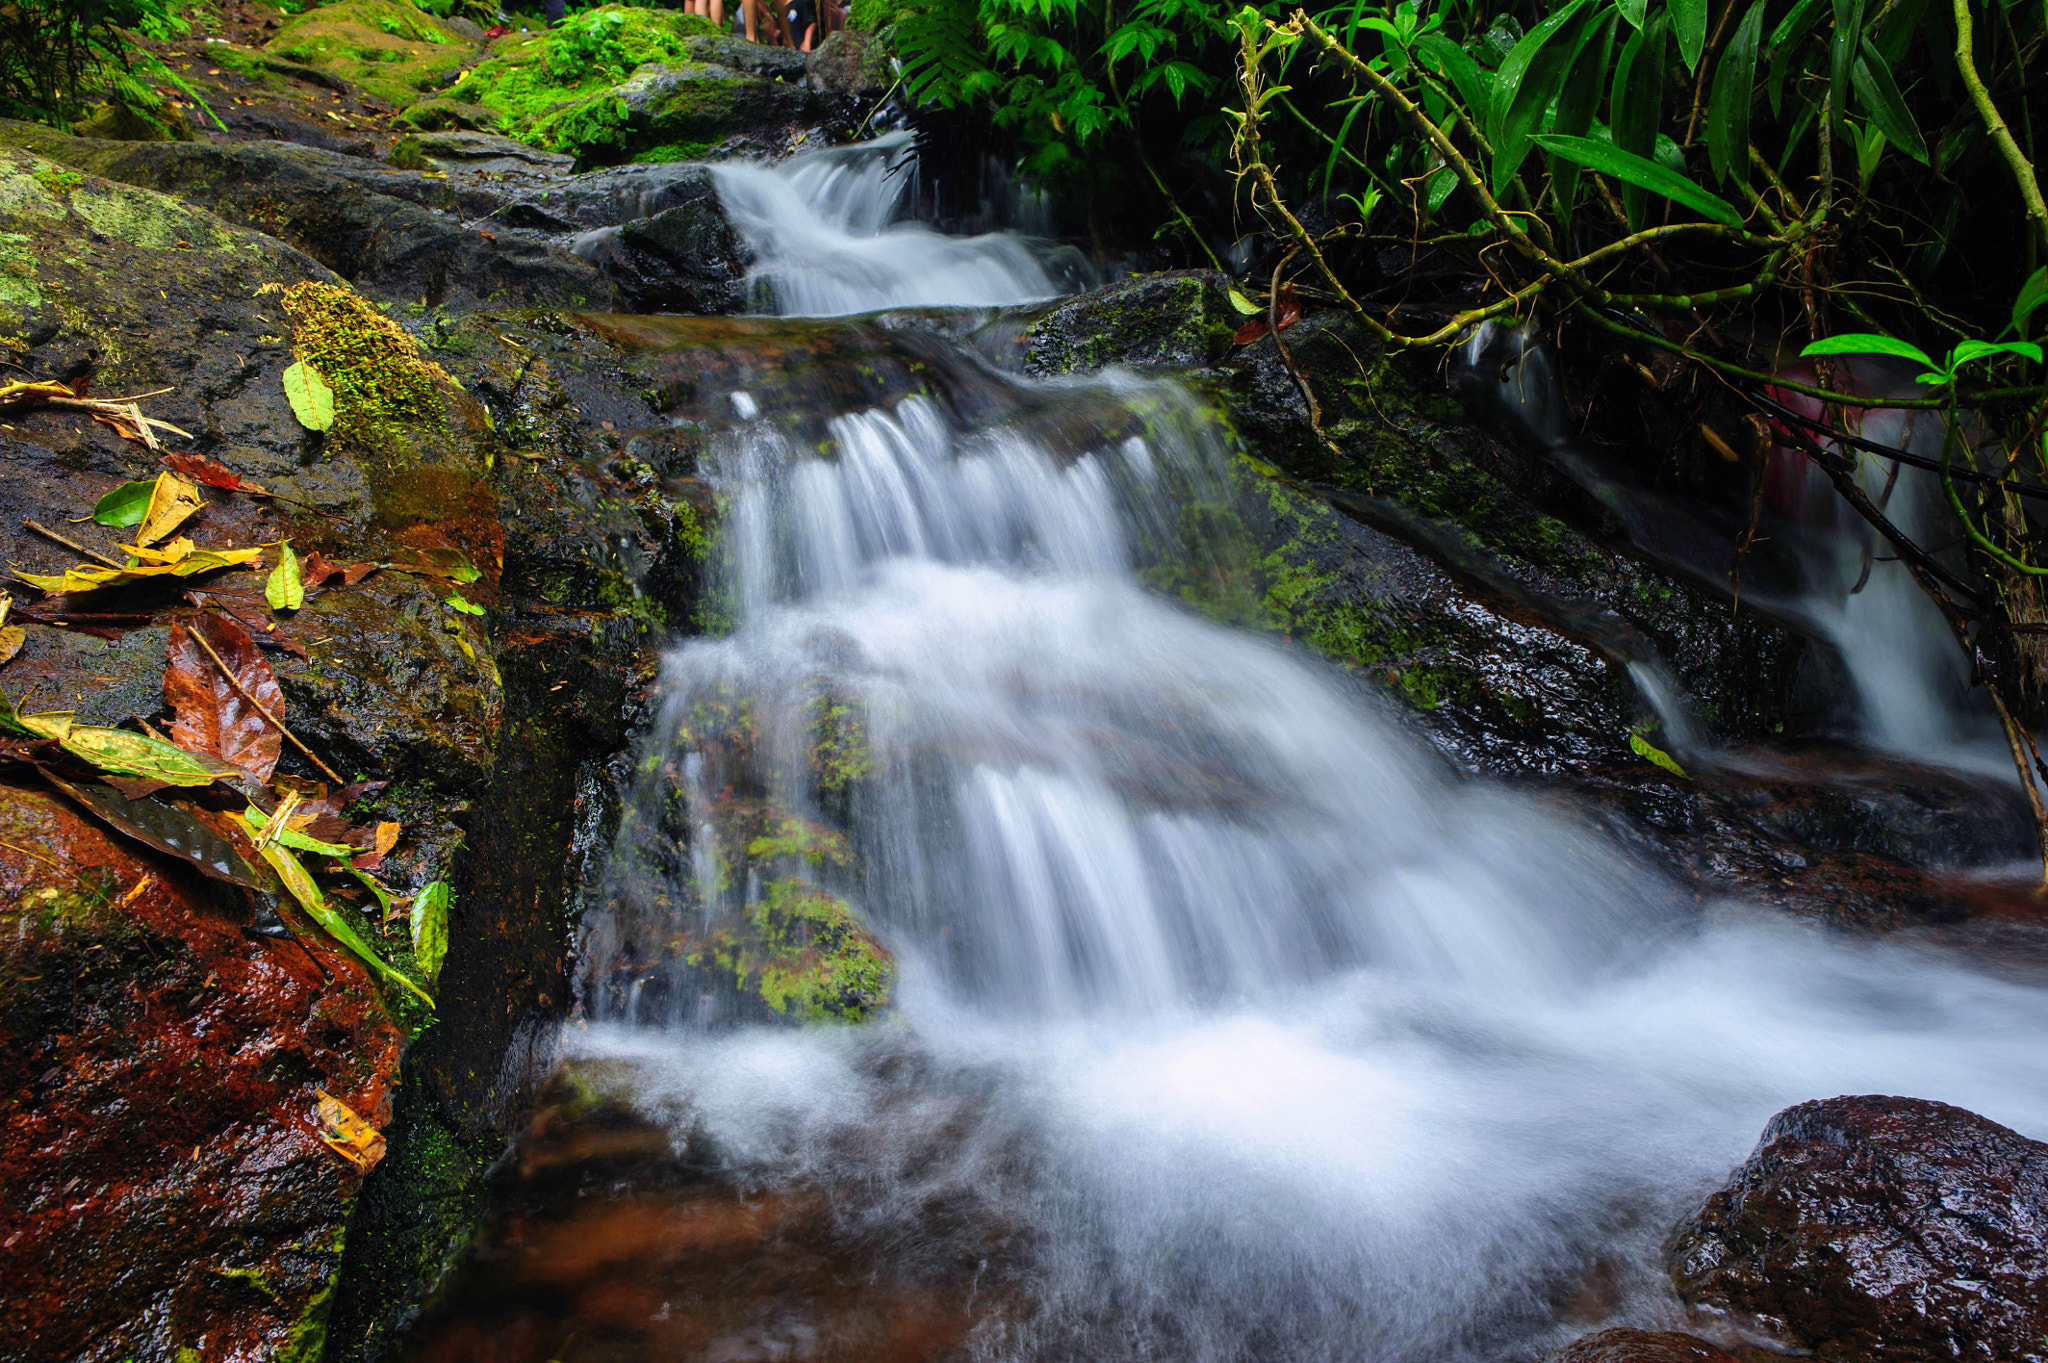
column 162, row 1186
column 1876, row 1228
column 1640, row 1346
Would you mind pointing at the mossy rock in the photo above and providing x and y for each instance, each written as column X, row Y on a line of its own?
column 526, row 75
column 393, row 50
column 804, row 954
column 694, row 105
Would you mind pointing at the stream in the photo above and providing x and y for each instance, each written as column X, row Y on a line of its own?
column 1228, row 1025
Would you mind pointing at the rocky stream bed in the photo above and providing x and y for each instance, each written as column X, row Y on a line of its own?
column 477, row 304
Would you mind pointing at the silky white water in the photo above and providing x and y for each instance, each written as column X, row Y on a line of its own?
column 1229, row 1026
column 827, row 241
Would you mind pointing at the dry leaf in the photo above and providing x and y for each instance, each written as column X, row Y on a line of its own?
column 91, row 577
column 214, row 717
column 317, row 570
column 170, row 506
column 17, row 392
column 213, row 473
column 177, row 551
column 12, row 637
column 347, row 1134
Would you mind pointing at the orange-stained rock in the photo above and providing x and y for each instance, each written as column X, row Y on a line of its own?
column 162, row 1185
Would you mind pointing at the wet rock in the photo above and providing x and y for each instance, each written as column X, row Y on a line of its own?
column 476, row 151
column 393, row 233
column 1640, row 1346
column 440, row 115
column 494, row 734
column 756, row 59
column 851, row 64
column 1174, row 320
column 159, row 1068
column 1874, row 1228
column 684, row 259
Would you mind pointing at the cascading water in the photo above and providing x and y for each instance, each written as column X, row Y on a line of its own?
column 827, row 241
column 1912, row 693
column 1228, row 1026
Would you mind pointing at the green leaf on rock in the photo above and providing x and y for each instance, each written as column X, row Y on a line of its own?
column 307, row 891
column 430, row 926
column 285, row 589
column 126, row 754
column 125, row 505
column 1655, row 756
column 312, row 400
column 464, row 604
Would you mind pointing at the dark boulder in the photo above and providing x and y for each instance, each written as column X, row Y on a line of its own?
column 1180, row 319
column 756, row 59
column 683, row 259
column 1640, row 1346
column 1875, row 1228
column 457, row 149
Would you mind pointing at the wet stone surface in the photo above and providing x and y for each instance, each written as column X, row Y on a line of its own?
column 1877, row 1228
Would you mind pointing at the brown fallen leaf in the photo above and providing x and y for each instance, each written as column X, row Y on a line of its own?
column 347, row 1134
column 214, row 716
column 203, row 469
column 317, row 570
column 251, row 616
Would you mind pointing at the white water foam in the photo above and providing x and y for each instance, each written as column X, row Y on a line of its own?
column 1230, row 1024
column 827, row 243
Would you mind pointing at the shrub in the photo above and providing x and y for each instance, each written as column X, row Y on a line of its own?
column 52, row 51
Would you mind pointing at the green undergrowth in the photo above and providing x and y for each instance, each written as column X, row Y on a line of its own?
column 805, row 955
column 526, row 77
column 391, row 49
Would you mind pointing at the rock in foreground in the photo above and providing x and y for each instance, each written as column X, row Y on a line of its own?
column 1640, row 1346
column 1880, row 1228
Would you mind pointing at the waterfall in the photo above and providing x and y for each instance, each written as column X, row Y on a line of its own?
column 1227, row 1024
column 826, row 240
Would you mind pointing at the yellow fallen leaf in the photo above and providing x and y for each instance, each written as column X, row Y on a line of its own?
column 347, row 1134
column 91, row 578
column 386, row 838
column 12, row 637
column 15, row 392
column 177, row 551
column 170, row 506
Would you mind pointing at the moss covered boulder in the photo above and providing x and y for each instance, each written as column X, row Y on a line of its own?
column 527, row 74
column 403, row 235
column 390, row 48
column 676, row 112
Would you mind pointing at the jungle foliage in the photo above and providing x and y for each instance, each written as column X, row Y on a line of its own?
column 1750, row 203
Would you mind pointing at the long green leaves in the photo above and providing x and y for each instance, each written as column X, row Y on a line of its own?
column 1635, row 170
column 1734, row 88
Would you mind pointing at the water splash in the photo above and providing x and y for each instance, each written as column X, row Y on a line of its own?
column 1229, row 1026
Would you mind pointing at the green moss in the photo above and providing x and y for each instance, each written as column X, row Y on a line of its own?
column 839, row 747
column 391, row 49
column 58, row 182
column 807, row 957
column 672, row 151
column 790, row 838
column 525, row 78
column 385, row 395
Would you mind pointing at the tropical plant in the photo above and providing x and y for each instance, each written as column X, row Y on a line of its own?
column 53, row 53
